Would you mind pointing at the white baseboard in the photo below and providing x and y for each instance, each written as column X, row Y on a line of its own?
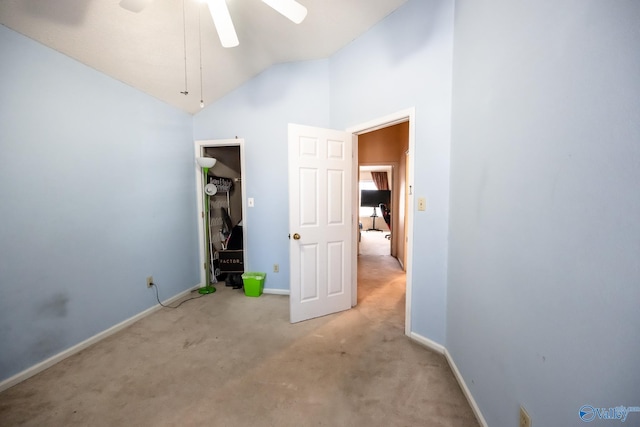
column 431, row 345
column 465, row 389
column 39, row 367
column 275, row 291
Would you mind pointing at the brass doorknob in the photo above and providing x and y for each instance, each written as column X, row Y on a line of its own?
column 296, row 236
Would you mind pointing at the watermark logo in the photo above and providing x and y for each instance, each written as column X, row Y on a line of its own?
column 589, row 413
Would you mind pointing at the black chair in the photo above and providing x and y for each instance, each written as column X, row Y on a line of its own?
column 386, row 214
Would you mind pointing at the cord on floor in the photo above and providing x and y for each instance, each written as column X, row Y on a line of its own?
column 181, row 302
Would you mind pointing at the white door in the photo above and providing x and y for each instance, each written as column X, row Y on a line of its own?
column 320, row 221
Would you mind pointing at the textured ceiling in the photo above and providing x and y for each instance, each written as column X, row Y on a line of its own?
column 146, row 50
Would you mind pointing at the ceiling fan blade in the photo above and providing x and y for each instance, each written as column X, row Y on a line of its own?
column 134, row 5
column 289, row 8
column 224, row 24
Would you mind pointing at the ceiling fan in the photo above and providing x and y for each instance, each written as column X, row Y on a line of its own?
column 222, row 19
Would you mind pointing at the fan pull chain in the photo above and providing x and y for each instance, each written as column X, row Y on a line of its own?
column 184, row 33
column 200, row 42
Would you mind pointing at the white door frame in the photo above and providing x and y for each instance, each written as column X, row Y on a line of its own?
column 199, row 147
column 375, row 124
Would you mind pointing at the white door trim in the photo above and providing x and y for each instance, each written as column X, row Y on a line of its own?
column 381, row 122
column 199, row 147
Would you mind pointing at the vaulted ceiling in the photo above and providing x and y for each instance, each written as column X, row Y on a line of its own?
column 146, row 50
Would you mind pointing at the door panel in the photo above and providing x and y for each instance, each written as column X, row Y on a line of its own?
column 335, row 268
column 308, row 198
column 309, row 273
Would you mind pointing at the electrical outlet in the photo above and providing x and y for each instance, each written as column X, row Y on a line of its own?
column 525, row 419
column 149, row 281
column 276, row 268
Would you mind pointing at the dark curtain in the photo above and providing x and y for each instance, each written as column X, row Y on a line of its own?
column 380, row 180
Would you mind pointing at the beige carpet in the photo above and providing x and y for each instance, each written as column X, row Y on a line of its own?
column 374, row 243
column 229, row 360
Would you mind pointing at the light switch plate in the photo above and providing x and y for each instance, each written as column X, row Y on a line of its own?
column 422, row 204
column 250, row 202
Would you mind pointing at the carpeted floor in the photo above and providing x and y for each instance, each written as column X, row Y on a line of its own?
column 229, row 360
column 374, row 243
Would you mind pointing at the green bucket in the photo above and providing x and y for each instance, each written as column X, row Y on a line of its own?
column 253, row 283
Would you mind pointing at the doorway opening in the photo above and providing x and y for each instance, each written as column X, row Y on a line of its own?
column 375, row 185
column 385, row 145
column 225, row 214
column 381, row 155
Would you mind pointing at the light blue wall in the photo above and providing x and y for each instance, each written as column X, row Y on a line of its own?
column 259, row 111
column 544, row 261
column 406, row 61
column 96, row 193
